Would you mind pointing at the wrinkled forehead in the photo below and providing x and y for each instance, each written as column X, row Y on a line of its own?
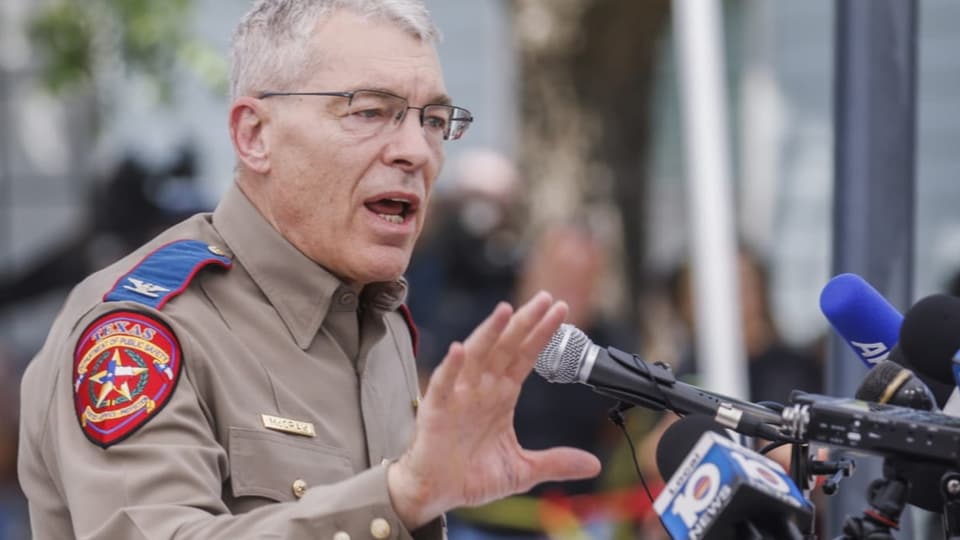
column 356, row 52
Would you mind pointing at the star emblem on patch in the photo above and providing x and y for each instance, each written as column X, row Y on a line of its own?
column 125, row 368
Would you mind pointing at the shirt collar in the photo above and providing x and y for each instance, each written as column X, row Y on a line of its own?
column 299, row 289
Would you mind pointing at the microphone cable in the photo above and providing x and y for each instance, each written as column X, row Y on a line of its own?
column 616, row 416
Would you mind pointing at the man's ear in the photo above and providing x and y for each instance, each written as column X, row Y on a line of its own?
column 248, row 123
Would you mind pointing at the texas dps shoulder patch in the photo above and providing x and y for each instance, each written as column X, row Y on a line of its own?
column 125, row 368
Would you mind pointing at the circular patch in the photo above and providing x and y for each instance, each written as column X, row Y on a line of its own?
column 702, row 487
column 125, row 368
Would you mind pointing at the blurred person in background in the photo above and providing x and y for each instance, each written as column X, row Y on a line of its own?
column 250, row 372
column 774, row 368
column 467, row 260
column 568, row 261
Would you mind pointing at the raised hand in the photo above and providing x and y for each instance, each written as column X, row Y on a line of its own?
column 465, row 451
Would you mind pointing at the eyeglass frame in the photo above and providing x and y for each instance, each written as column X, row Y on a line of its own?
column 349, row 95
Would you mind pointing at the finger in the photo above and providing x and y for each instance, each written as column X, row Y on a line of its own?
column 536, row 340
column 559, row 464
column 481, row 341
column 444, row 378
column 522, row 322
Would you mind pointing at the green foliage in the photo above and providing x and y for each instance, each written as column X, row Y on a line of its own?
column 79, row 40
column 63, row 34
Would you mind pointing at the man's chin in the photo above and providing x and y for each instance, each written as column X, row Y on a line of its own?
column 383, row 264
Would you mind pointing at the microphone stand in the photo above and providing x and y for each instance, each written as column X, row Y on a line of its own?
column 886, row 498
column 802, row 470
column 950, row 489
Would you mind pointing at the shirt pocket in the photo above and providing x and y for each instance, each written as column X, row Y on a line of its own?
column 268, row 464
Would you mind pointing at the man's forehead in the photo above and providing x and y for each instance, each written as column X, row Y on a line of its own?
column 358, row 53
column 409, row 80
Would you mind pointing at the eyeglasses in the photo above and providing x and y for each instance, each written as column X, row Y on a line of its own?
column 370, row 112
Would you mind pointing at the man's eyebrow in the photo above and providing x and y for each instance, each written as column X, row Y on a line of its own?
column 381, row 89
column 436, row 99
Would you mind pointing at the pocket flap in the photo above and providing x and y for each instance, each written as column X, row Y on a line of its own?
column 266, row 464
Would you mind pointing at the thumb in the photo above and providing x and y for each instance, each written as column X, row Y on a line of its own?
column 561, row 463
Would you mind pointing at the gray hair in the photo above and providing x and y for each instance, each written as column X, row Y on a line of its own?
column 270, row 46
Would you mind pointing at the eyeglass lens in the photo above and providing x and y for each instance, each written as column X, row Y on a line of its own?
column 370, row 112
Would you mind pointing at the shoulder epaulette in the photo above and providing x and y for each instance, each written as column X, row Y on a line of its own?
column 166, row 272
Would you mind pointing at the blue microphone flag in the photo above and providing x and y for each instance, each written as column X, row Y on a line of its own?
column 866, row 321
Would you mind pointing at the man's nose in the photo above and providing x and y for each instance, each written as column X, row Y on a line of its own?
column 409, row 144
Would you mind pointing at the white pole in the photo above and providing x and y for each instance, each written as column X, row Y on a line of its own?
column 720, row 352
column 760, row 125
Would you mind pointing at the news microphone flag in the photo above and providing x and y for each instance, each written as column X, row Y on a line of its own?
column 721, row 485
column 866, row 321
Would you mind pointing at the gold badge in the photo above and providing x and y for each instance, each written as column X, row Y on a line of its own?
column 216, row 250
column 287, row 425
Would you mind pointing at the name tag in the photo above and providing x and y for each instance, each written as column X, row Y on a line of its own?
column 288, row 426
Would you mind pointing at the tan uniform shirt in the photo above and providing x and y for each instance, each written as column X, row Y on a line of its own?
column 275, row 335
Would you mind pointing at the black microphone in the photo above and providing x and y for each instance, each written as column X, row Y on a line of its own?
column 889, row 382
column 930, row 336
column 719, row 490
column 571, row 357
column 683, row 434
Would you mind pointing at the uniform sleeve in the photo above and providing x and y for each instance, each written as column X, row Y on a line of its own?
column 166, row 480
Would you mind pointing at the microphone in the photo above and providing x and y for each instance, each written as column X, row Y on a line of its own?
column 873, row 329
column 891, row 383
column 930, row 336
column 571, row 357
column 683, row 434
column 723, row 491
column 866, row 321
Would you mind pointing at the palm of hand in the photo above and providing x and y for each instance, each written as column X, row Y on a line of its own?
column 478, row 446
column 465, row 451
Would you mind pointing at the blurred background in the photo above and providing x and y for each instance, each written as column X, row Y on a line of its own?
column 574, row 178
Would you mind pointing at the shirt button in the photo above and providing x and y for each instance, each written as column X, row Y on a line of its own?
column 299, row 487
column 347, row 298
column 341, row 535
column 380, row 529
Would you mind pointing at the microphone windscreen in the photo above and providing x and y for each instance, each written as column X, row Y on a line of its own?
column 876, row 386
column 678, row 439
column 560, row 360
column 931, row 336
column 940, row 390
column 862, row 316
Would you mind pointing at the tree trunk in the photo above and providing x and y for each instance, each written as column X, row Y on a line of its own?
column 586, row 75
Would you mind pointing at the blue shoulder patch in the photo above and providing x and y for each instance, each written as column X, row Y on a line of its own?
column 165, row 273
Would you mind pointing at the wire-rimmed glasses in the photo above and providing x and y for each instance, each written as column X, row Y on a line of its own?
column 370, row 112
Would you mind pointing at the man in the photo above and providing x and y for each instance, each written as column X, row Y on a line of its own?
column 249, row 374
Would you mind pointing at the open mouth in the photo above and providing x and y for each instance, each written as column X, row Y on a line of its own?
column 392, row 210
